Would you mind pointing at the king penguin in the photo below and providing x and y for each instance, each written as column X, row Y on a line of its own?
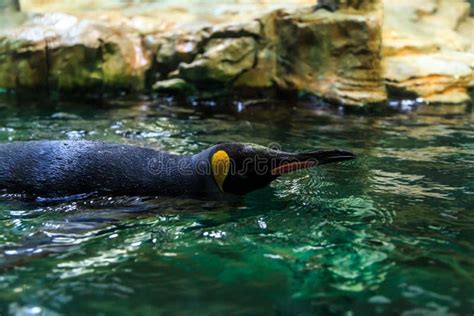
column 64, row 168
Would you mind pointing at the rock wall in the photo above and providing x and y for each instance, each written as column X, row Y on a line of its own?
column 429, row 49
column 217, row 48
column 336, row 56
column 60, row 51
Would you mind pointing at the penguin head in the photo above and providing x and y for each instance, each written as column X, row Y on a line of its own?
column 239, row 168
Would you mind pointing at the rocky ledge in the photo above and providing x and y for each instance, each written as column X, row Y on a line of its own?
column 428, row 49
column 353, row 56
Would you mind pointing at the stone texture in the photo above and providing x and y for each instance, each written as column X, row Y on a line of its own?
column 429, row 49
column 332, row 55
column 173, row 85
column 224, row 46
column 63, row 51
column 201, row 47
column 10, row 5
column 223, row 60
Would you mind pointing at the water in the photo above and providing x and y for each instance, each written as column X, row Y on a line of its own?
column 389, row 233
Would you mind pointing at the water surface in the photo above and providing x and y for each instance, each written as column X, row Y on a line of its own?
column 389, row 233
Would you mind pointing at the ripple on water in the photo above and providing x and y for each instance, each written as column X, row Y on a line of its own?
column 390, row 232
column 410, row 185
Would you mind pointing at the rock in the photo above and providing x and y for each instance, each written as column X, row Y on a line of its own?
column 221, row 47
column 173, row 85
column 223, row 60
column 298, row 50
column 434, row 77
column 64, row 52
column 335, row 56
column 428, row 49
column 10, row 6
column 243, row 45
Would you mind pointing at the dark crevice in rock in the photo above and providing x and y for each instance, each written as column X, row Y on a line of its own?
column 254, row 65
column 151, row 74
column 101, row 51
column 224, row 34
column 47, row 62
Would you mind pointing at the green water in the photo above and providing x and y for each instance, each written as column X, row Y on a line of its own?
column 389, row 233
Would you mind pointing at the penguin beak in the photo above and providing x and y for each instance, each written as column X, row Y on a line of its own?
column 287, row 163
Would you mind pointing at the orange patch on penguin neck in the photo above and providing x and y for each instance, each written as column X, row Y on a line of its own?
column 220, row 162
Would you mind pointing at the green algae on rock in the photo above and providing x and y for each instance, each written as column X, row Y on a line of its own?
column 226, row 48
column 65, row 52
column 347, row 57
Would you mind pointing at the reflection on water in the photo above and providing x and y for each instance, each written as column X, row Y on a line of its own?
column 390, row 232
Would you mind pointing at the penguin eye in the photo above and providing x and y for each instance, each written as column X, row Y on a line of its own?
column 220, row 162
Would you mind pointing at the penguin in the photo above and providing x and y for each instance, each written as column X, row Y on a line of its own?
column 68, row 168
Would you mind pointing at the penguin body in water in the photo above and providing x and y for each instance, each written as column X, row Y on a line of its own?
column 63, row 168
